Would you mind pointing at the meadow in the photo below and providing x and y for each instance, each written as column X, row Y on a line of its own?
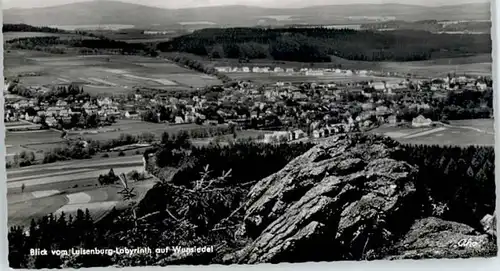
column 457, row 133
column 68, row 186
column 480, row 65
column 132, row 127
column 18, row 35
column 40, row 141
column 298, row 78
column 35, row 141
column 102, row 74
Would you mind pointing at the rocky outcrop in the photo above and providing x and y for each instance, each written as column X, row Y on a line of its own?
column 489, row 223
column 341, row 199
column 436, row 238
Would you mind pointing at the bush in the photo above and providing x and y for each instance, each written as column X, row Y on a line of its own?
column 109, row 178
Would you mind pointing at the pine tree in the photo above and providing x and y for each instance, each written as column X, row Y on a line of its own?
column 88, row 218
column 470, row 172
column 451, row 168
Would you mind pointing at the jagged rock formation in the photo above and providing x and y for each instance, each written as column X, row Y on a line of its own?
column 435, row 238
column 348, row 199
column 340, row 200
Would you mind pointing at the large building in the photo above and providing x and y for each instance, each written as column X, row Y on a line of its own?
column 421, row 121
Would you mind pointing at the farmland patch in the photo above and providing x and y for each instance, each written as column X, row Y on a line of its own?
column 102, row 81
column 79, row 198
column 7, row 36
column 161, row 81
column 121, row 74
column 21, row 213
column 85, row 174
column 458, row 133
column 44, row 193
column 424, row 133
column 133, row 127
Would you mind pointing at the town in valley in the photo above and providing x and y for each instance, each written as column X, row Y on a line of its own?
column 170, row 130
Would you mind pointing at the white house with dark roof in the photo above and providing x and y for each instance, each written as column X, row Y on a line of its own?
column 421, row 121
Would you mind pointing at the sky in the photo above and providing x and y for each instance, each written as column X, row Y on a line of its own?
column 262, row 3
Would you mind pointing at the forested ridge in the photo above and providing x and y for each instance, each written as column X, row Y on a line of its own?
column 40, row 43
column 30, row 28
column 318, row 44
column 283, row 44
column 201, row 204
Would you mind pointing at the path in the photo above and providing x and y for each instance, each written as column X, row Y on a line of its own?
column 466, row 127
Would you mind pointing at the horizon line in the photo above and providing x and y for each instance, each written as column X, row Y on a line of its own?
column 251, row 6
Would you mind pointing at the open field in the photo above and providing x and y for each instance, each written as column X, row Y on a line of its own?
column 39, row 141
column 102, row 74
column 473, row 65
column 459, row 133
column 93, row 27
column 35, row 141
column 441, row 70
column 67, row 186
column 272, row 78
column 133, row 127
column 24, row 138
column 21, row 125
column 146, row 40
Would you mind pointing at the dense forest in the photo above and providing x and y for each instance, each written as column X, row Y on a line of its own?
column 318, row 44
column 30, row 28
column 457, row 184
column 199, row 199
column 242, row 157
column 57, row 45
column 72, row 92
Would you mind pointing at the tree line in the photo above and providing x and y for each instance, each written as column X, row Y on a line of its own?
column 55, row 232
column 86, row 148
column 318, row 44
column 199, row 66
column 248, row 160
column 72, row 92
column 87, row 45
column 30, row 28
column 460, row 180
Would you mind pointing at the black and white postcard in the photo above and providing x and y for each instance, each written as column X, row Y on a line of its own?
column 155, row 133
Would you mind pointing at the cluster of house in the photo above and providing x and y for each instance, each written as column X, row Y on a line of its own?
column 28, row 109
column 20, row 108
column 291, row 71
column 373, row 111
column 260, row 102
column 454, row 83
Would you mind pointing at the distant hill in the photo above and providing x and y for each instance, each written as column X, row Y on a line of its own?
column 114, row 12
